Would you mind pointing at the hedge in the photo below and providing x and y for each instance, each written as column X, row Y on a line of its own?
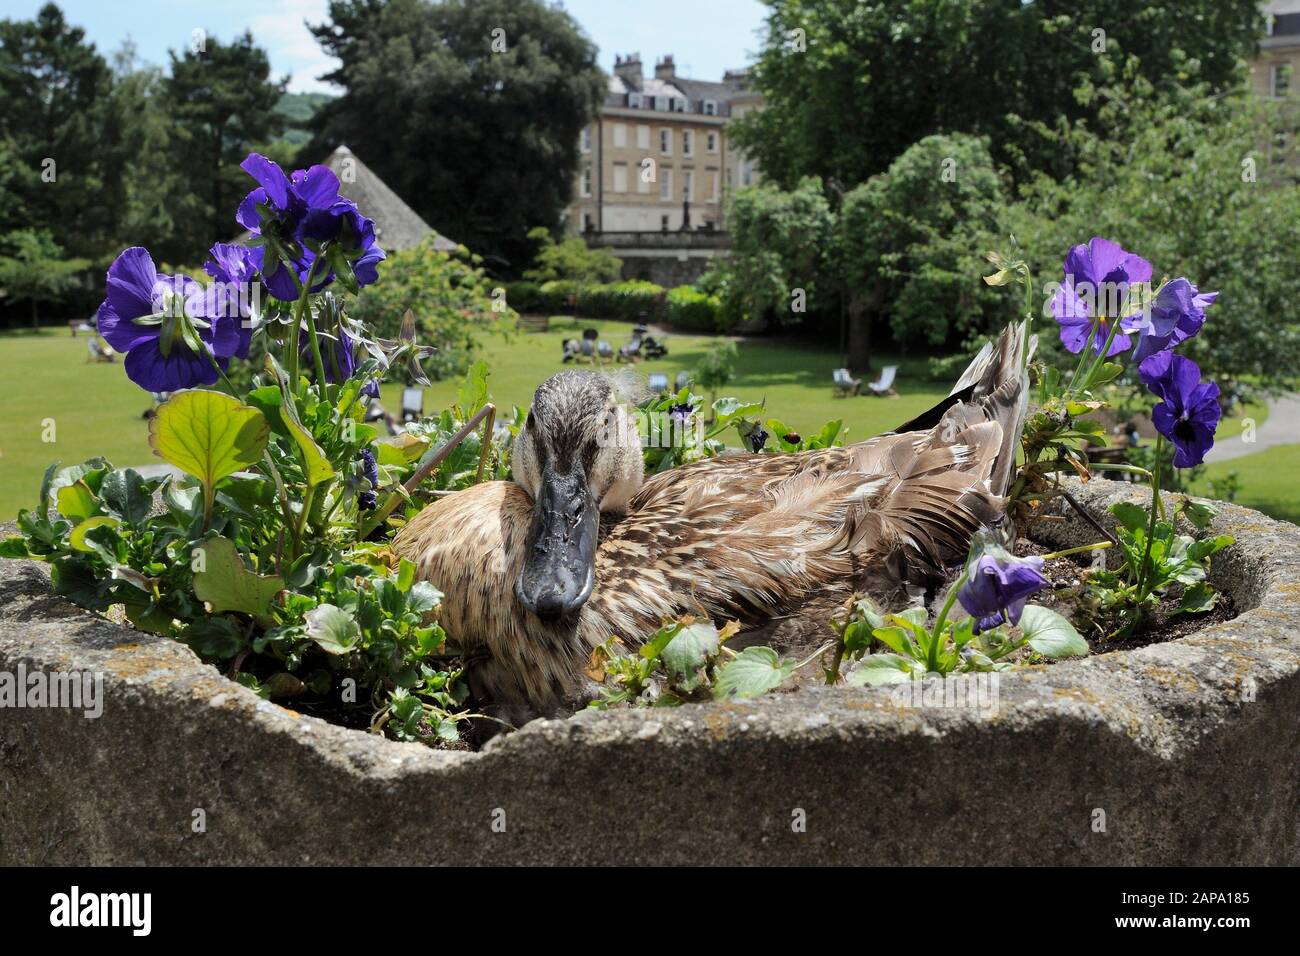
column 684, row 306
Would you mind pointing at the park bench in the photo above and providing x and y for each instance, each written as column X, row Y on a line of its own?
column 534, row 323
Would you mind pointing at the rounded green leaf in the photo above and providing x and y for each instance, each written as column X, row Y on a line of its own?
column 78, row 537
column 1050, row 634
column 755, row 671
column 224, row 584
column 334, row 629
column 209, row 435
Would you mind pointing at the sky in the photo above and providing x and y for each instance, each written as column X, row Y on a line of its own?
column 706, row 37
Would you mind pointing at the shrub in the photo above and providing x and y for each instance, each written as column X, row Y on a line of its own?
column 570, row 259
column 689, row 308
column 621, row 300
column 450, row 295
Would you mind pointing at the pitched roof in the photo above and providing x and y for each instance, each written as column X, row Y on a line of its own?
column 397, row 225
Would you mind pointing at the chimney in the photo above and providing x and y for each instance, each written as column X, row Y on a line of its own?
column 664, row 69
column 628, row 67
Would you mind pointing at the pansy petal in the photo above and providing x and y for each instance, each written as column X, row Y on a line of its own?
column 270, row 177
column 130, row 284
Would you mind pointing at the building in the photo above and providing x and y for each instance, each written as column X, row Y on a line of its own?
column 657, row 157
column 1273, row 72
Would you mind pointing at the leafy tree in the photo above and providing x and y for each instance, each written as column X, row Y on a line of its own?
column 780, row 243
column 223, row 102
column 52, row 88
column 1202, row 186
column 470, row 111
column 909, row 243
column 34, row 269
column 850, row 85
column 449, row 296
column 570, row 259
column 716, row 369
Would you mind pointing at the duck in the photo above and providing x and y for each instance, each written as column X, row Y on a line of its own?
column 581, row 547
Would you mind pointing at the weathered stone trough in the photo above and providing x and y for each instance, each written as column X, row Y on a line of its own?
column 1180, row 753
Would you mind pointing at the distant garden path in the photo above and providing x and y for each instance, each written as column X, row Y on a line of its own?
column 1282, row 427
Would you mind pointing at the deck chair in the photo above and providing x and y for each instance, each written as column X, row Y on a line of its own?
column 844, row 383
column 885, row 384
column 632, row 351
column 604, row 350
column 587, row 350
column 683, row 380
column 658, row 383
column 412, row 404
column 571, row 349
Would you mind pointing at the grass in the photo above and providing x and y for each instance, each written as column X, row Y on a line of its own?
column 93, row 409
column 1268, row 481
column 96, row 410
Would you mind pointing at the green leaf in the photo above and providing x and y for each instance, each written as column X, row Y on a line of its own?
column 77, row 540
column 316, row 467
column 209, row 435
column 334, row 629
column 1050, row 634
column 1200, row 550
column 1199, row 513
column 755, row 671
column 224, row 584
column 1198, row 599
column 473, row 392
column 883, row 668
column 1131, row 516
column 689, row 651
column 15, row 547
column 76, row 502
column 423, row 597
column 126, row 494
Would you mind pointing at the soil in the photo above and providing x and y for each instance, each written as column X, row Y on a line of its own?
column 1164, row 623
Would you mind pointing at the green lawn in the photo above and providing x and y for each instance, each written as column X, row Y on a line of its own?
column 1268, row 481
column 95, row 410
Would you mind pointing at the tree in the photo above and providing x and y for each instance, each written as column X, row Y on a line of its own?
column 910, row 241
column 716, row 369
column 780, row 240
column 223, row 102
column 52, row 89
column 1202, row 186
column 850, row 85
column 570, row 259
column 470, row 111
column 34, row 269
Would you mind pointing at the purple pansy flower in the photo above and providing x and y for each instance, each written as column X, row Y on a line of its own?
column 1188, row 413
column 367, row 500
column 997, row 588
column 337, row 351
column 231, row 297
column 305, row 211
column 1098, row 278
column 1176, row 315
column 162, row 325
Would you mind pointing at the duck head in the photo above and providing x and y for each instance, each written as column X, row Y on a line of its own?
column 578, row 456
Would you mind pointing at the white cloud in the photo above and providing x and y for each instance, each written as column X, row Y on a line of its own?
column 291, row 46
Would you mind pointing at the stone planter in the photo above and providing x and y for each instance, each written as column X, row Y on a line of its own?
column 1179, row 753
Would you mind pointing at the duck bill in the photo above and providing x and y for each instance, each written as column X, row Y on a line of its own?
column 559, row 571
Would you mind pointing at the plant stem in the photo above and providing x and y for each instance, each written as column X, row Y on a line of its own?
column 1098, row 546
column 1083, row 354
column 1143, row 572
column 947, row 605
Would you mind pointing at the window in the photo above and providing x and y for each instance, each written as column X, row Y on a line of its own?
column 620, row 134
column 634, row 100
column 586, row 139
column 620, row 177
column 713, row 193
column 1281, row 79
column 680, row 106
column 665, row 185
column 663, row 222
column 666, row 142
column 747, row 173
column 588, row 224
column 661, row 103
column 688, row 143
column 642, row 137
column 586, row 180
column 712, row 142
column 710, row 107
column 688, row 183
column 645, row 175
